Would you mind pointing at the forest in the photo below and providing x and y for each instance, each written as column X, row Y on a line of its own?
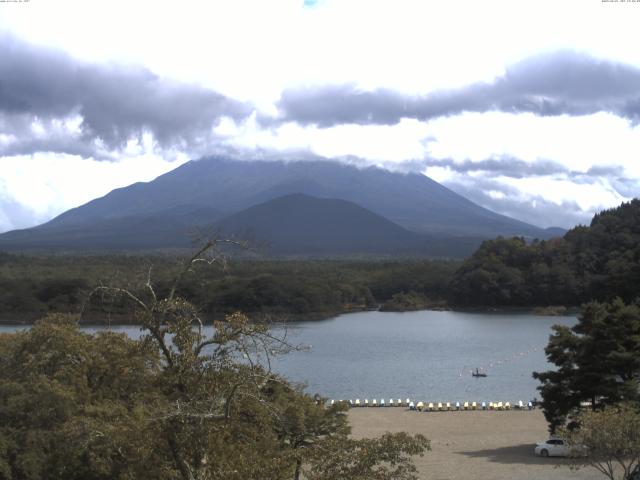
column 31, row 286
column 596, row 262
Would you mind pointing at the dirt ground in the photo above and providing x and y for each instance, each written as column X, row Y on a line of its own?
column 492, row 445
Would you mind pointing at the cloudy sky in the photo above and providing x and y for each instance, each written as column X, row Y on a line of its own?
column 530, row 108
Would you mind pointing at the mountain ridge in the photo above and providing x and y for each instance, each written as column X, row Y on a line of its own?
column 157, row 214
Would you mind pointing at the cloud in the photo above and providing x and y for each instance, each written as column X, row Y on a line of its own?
column 51, row 102
column 528, row 207
column 505, row 166
column 561, row 83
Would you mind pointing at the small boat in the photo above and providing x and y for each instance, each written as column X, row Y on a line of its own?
column 478, row 373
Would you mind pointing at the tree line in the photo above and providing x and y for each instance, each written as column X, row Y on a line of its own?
column 31, row 286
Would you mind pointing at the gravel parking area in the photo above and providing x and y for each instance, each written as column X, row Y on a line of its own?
column 468, row 445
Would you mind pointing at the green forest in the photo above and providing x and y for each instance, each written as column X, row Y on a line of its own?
column 596, row 262
column 31, row 286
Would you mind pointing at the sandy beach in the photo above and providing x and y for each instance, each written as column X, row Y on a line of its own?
column 472, row 445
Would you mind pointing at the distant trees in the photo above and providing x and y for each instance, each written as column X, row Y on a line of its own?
column 597, row 360
column 31, row 286
column 599, row 262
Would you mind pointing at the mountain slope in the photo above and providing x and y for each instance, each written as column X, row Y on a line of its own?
column 300, row 224
column 295, row 224
column 167, row 228
column 413, row 201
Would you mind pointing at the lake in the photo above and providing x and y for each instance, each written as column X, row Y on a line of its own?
column 425, row 355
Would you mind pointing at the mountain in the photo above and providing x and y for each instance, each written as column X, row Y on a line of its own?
column 412, row 200
column 304, row 225
column 159, row 213
column 168, row 228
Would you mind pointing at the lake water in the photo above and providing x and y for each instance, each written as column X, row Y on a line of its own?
column 423, row 355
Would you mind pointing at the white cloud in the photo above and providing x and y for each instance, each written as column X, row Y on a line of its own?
column 578, row 143
column 376, row 143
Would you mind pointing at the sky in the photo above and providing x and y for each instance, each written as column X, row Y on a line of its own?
column 529, row 108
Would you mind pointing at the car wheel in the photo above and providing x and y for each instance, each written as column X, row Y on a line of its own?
column 544, row 452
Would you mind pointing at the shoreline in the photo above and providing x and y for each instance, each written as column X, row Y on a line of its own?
column 30, row 318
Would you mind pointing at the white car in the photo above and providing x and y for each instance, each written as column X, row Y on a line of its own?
column 554, row 447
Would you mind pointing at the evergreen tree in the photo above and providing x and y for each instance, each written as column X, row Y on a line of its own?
column 597, row 360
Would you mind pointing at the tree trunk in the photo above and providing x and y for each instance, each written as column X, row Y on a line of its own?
column 185, row 473
column 296, row 476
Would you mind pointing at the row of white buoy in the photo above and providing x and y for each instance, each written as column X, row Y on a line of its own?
column 439, row 406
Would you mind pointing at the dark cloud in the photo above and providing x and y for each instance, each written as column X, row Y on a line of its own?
column 480, row 180
column 565, row 82
column 115, row 103
column 504, row 166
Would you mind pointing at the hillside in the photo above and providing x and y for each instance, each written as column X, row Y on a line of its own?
column 301, row 224
column 598, row 262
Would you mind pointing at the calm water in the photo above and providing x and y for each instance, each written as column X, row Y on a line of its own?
column 422, row 355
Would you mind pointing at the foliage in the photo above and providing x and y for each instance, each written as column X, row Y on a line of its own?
column 384, row 458
column 598, row 262
column 608, row 440
column 31, row 286
column 404, row 302
column 597, row 360
column 177, row 403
